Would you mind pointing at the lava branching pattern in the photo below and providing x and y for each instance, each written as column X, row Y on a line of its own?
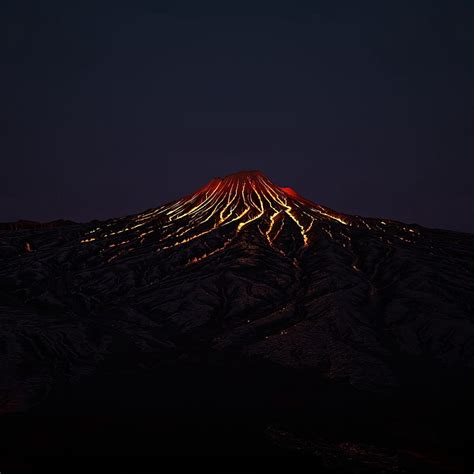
column 224, row 208
column 226, row 205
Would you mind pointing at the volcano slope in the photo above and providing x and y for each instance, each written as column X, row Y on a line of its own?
column 250, row 293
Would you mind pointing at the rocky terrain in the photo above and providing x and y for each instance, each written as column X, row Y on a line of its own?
column 243, row 282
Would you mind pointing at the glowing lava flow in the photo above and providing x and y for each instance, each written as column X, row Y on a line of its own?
column 229, row 205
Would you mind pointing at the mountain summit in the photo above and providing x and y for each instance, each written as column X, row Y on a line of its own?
column 222, row 209
column 246, row 203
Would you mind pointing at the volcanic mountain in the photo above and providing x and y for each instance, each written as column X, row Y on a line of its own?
column 241, row 275
column 219, row 212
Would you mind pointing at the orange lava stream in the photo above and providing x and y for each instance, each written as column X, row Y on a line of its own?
column 227, row 205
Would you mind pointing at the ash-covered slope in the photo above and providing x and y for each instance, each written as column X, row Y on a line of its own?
column 241, row 269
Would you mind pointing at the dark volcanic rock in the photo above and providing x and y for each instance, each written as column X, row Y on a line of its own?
column 244, row 270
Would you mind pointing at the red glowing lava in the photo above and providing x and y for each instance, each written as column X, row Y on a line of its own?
column 231, row 204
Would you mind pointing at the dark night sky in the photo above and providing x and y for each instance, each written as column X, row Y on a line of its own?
column 112, row 108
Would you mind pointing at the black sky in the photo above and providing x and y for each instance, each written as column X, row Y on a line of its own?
column 112, row 108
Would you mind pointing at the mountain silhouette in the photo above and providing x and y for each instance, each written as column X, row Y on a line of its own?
column 241, row 284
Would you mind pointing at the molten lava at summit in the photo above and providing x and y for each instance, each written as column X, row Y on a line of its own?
column 225, row 205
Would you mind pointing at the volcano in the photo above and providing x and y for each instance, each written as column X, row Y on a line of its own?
column 247, row 299
column 223, row 207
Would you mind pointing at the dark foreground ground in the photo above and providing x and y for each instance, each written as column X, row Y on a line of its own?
column 260, row 417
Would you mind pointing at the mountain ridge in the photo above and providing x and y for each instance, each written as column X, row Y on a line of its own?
column 240, row 273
